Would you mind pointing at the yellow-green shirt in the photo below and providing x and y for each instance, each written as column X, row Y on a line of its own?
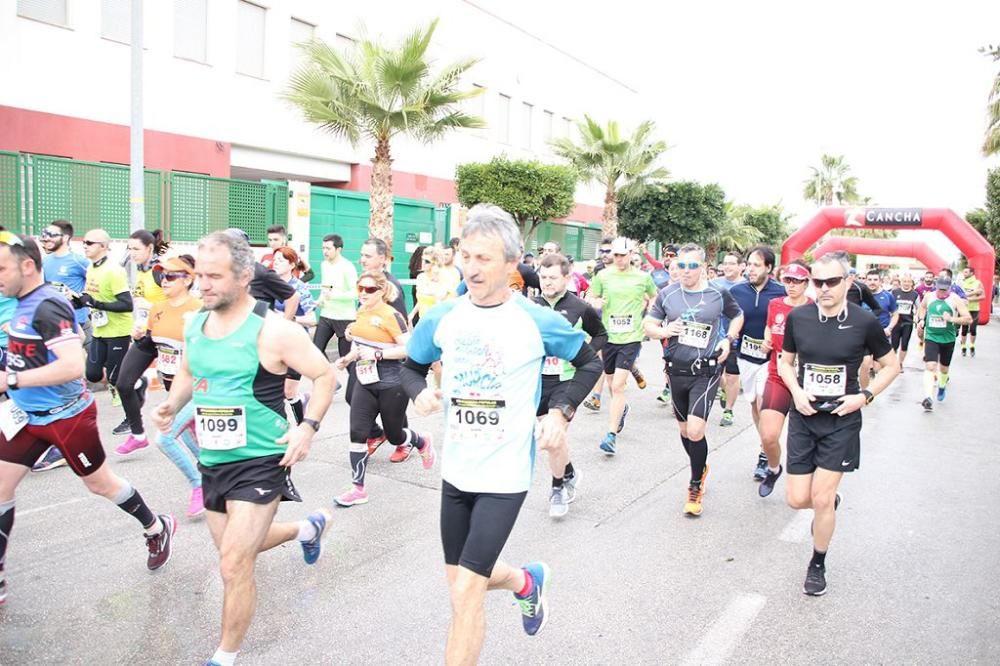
column 104, row 282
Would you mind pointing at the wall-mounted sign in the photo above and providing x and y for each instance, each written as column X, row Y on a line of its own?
column 411, row 238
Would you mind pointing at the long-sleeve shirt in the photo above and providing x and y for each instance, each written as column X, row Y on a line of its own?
column 338, row 295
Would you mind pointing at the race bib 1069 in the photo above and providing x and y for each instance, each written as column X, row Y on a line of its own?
column 476, row 420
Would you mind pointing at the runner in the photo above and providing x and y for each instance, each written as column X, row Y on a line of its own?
column 753, row 295
column 974, row 293
column 675, row 275
column 688, row 316
column 49, row 404
column 432, row 287
column 889, row 315
column 620, row 292
column 109, row 298
column 829, row 339
column 336, row 303
column 777, row 399
column 233, row 369
column 939, row 313
column 554, row 275
column 732, row 275
column 492, row 344
column 277, row 237
column 286, row 262
column 378, row 346
column 907, row 299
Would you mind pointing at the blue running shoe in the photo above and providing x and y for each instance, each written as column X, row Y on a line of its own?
column 533, row 606
column 312, row 549
column 941, row 391
column 211, row 662
column 621, row 421
column 608, row 444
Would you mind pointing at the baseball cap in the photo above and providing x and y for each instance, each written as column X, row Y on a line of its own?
column 943, row 282
column 795, row 271
column 620, row 246
column 172, row 264
column 671, row 247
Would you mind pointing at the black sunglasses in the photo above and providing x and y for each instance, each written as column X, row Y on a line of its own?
column 367, row 290
column 88, row 243
column 830, row 283
column 791, row 280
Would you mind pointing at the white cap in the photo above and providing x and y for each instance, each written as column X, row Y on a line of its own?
column 620, row 246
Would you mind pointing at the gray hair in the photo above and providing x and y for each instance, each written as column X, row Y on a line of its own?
column 490, row 220
column 242, row 259
column 692, row 247
column 835, row 258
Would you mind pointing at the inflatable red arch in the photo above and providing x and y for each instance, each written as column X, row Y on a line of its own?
column 980, row 253
column 883, row 247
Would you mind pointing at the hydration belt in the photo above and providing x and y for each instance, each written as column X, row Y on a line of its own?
column 701, row 367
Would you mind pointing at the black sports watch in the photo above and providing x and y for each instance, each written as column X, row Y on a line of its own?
column 11, row 379
column 567, row 411
column 312, row 423
column 869, row 396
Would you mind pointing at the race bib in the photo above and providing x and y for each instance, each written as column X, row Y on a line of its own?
column 825, row 380
column 12, row 419
column 168, row 360
column 620, row 324
column 552, row 365
column 141, row 317
column 476, row 420
column 936, row 321
column 905, row 307
column 367, row 372
column 695, row 334
column 98, row 317
column 752, row 347
column 63, row 289
column 221, row 428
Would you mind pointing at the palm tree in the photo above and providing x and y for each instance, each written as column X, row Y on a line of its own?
column 991, row 145
column 831, row 182
column 733, row 234
column 375, row 92
column 623, row 165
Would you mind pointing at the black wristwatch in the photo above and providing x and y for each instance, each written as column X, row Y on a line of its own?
column 312, row 423
column 869, row 396
column 11, row 379
column 567, row 411
column 378, row 354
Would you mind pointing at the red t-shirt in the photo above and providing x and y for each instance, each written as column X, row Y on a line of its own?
column 777, row 314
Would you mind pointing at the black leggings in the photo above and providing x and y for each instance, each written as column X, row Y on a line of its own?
column 326, row 329
column 368, row 402
column 136, row 361
column 901, row 333
column 970, row 329
column 106, row 354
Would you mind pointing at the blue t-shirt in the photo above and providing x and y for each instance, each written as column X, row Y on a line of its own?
column 724, row 284
column 306, row 301
column 754, row 305
column 889, row 305
column 7, row 306
column 491, row 383
column 69, row 270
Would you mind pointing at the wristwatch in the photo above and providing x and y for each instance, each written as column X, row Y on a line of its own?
column 312, row 423
column 869, row 396
column 378, row 354
column 11, row 380
column 567, row 411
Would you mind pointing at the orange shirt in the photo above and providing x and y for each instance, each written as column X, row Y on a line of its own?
column 379, row 327
column 166, row 325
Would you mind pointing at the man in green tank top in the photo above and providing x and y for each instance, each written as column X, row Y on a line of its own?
column 236, row 354
column 939, row 313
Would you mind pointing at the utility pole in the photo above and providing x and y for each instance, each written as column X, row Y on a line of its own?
column 136, row 170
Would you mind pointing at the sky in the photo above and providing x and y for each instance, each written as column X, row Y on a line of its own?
column 750, row 94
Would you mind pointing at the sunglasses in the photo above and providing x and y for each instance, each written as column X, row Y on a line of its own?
column 685, row 265
column 368, row 290
column 605, row 251
column 829, row 283
column 51, row 234
column 791, row 280
column 88, row 243
column 621, row 255
column 174, row 275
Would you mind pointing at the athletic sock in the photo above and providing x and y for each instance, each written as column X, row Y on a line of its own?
column 130, row 501
column 307, row 531
column 557, row 483
column 529, row 586
column 944, row 379
column 297, row 410
column 6, row 525
column 569, row 472
column 409, row 437
column 359, row 462
column 699, row 457
column 141, row 436
column 929, row 381
column 818, row 559
column 223, row 658
column 773, row 470
column 687, row 444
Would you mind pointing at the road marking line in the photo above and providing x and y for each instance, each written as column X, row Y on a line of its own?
column 720, row 639
column 28, row 512
column 797, row 529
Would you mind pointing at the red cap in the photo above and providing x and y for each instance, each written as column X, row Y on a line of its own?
column 796, row 271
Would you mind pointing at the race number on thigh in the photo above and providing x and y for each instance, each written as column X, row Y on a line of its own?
column 221, row 428
column 695, row 334
column 824, row 380
column 476, row 420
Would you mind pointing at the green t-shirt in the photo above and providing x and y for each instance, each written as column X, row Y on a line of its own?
column 104, row 282
column 338, row 290
column 969, row 285
column 936, row 329
column 624, row 295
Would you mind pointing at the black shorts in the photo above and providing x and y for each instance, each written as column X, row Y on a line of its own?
column 776, row 396
column 475, row 526
column 823, row 440
column 620, row 357
column 968, row 329
column 76, row 437
column 549, row 385
column 693, row 395
column 255, row 480
column 938, row 352
column 732, row 363
column 901, row 333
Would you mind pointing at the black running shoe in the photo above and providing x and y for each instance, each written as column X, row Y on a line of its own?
column 122, row 428
column 767, row 485
column 815, row 585
column 927, row 405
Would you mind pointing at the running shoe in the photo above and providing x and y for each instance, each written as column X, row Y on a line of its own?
column 692, row 507
column 608, row 444
column 131, row 445
column 427, row 456
column 722, row 397
column 704, row 480
column 571, row 484
column 767, row 485
column 941, row 393
column 664, row 397
column 972, row 352
column 815, row 585
column 313, row 548
column 533, row 606
column 640, row 380
column 3, row 587
column 727, row 418
column 593, row 403
column 212, row 662
column 375, row 442
column 122, row 428
column 159, row 544
column 963, row 351
column 927, row 405
column 559, row 502
column 196, row 506
column 356, row 495
column 621, row 421
column 760, row 472
column 53, row 458
column 401, row 454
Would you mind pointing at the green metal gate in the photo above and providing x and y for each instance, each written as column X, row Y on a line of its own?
column 10, row 191
column 579, row 242
column 199, row 205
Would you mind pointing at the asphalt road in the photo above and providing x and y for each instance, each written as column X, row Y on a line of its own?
column 912, row 570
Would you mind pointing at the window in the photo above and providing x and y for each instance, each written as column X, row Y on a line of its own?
column 116, row 20
column 547, row 125
column 527, row 111
column 49, row 11
column 503, row 119
column 299, row 31
column 476, row 106
column 250, row 40
column 191, row 29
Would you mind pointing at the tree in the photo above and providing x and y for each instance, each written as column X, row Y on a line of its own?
column 674, row 212
column 530, row 191
column 623, row 166
column 991, row 144
column 831, row 183
column 770, row 221
column 733, row 234
column 376, row 92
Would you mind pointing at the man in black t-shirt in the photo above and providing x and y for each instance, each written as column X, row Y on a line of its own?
column 824, row 347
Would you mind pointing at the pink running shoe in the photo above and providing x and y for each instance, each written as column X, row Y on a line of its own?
column 131, row 445
column 356, row 495
column 427, row 456
column 196, row 506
